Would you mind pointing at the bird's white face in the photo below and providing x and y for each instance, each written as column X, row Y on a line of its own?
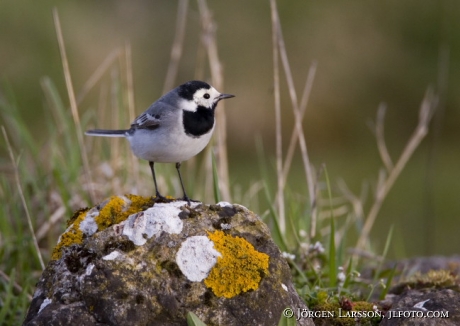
column 206, row 97
column 202, row 97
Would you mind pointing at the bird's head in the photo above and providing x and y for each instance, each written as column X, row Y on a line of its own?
column 194, row 94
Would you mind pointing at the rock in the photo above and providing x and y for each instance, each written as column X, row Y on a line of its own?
column 412, row 266
column 423, row 307
column 426, row 264
column 126, row 262
column 430, row 297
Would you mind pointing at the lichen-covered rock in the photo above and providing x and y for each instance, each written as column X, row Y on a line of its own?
column 440, row 307
column 126, row 262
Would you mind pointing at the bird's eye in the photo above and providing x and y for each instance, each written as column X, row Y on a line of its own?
column 206, row 96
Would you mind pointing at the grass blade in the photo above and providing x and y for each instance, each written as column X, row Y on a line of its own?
column 332, row 249
column 348, row 273
column 277, row 234
column 7, row 300
column 385, row 252
column 215, row 175
column 388, row 283
column 23, row 199
column 17, row 128
column 285, row 321
column 193, row 320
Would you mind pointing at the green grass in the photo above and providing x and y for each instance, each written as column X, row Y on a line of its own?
column 54, row 183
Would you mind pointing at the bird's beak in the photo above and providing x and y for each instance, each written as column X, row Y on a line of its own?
column 224, row 96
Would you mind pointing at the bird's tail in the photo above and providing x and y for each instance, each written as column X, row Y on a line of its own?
column 106, row 133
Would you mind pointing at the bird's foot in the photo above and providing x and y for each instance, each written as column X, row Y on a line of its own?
column 161, row 199
column 188, row 200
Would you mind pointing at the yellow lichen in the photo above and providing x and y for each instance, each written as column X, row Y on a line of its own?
column 73, row 235
column 331, row 312
column 434, row 279
column 115, row 210
column 118, row 209
column 239, row 269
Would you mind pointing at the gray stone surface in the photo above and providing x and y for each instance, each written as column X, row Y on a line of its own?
column 132, row 273
column 424, row 307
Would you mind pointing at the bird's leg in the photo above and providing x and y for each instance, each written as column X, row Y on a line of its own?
column 182, row 184
column 157, row 193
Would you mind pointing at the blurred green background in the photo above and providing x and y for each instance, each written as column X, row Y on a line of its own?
column 367, row 52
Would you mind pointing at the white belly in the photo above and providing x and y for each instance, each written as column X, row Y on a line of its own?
column 161, row 147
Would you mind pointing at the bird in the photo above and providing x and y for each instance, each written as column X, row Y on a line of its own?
column 174, row 128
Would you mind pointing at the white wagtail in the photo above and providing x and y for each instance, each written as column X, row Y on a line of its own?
column 176, row 127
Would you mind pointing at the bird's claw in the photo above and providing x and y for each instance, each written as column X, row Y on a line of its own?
column 161, row 199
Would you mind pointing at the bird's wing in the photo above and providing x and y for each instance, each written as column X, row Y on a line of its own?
column 147, row 120
column 154, row 116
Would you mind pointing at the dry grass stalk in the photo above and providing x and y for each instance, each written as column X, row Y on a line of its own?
column 279, row 149
column 21, row 194
column 380, row 137
column 58, row 215
column 356, row 202
column 210, row 44
column 176, row 49
column 299, row 111
column 387, row 180
column 115, row 143
column 97, row 74
column 134, row 162
column 299, row 118
column 16, row 286
column 73, row 104
column 101, row 109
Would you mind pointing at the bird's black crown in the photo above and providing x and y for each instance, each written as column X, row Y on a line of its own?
column 187, row 90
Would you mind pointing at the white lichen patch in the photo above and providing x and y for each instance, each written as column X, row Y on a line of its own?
column 113, row 255
column 287, row 255
column 227, row 204
column 38, row 292
column 284, row 287
column 196, row 257
column 89, row 269
column 224, row 204
column 225, row 226
column 44, row 304
column 421, row 304
column 89, row 226
column 160, row 218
